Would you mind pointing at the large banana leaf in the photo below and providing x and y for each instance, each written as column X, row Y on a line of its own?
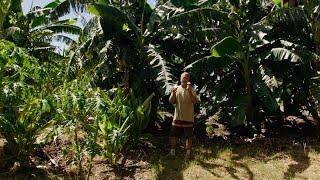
column 65, row 39
column 207, row 65
column 185, row 3
column 226, row 47
column 71, row 29
column 159, row 65
column 240, row 108
column 315, row 91
column 285, row 54
column 264, row 93
column 195, row 18
column 224, row 86
column 113, row 17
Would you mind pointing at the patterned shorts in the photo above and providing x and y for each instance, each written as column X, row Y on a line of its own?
column 180, row 128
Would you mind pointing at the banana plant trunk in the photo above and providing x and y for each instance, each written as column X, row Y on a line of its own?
column 249, row 110
column 316, row 31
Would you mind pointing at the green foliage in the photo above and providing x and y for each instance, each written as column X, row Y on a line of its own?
column 24, row 101
column 38, row 28
column 107, row 118
column 160, row 67
column 30, row 105
column 227, row 46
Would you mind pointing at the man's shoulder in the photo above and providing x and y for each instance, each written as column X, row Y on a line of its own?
column 179, row 87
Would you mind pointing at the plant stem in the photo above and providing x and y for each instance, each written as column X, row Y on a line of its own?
column 78, row 149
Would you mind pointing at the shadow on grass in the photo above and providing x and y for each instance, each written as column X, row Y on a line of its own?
column 232, row 167
column 263, row 150
column 166, row 168
column 260, row 150
column 169, row 167
column 301, row 157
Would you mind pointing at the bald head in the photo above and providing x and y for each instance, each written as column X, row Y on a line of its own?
column 185, row 77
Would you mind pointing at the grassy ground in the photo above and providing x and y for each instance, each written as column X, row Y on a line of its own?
column 278, row 158
column 265, row 158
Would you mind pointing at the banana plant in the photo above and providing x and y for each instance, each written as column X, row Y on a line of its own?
column 237, row 80
column 39, row 27
column 120, row 39
column 300, row 46
column 118, row 49
column 256, row 58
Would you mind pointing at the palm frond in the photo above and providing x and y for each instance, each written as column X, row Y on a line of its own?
column 298, row 53
column 80, row 5
column 306, row 54
column 105, row 55
column 46, row 48
column 38, row 11
column 288, row 23
column 75, row 62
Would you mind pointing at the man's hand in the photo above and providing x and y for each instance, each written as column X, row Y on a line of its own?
column 174, row 90
column 172, row 98
column 189, row 86
column 192, row 96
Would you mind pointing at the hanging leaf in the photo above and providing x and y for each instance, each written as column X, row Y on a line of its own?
column 227, row 46
column 159, row 64
column 264, row 93
column 240, row 109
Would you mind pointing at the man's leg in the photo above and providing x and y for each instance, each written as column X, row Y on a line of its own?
column 174, row 132
column 189, row 134
column 189, row 143
column 173, row 142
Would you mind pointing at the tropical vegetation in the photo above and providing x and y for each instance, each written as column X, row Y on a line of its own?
column 253, row 62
